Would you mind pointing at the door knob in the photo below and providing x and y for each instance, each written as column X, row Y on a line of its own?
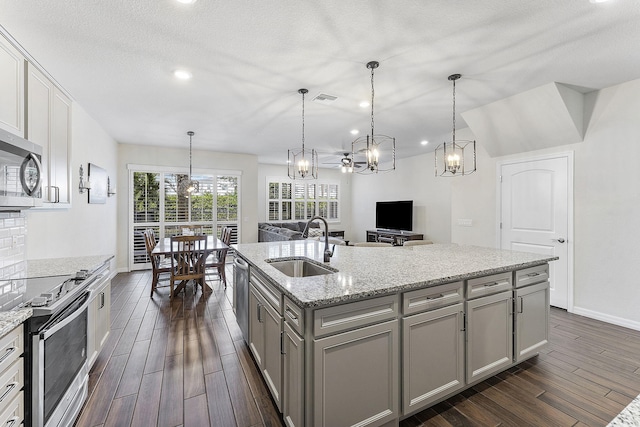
column 560, row 240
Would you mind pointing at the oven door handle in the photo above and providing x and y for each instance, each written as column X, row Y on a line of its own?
column 66, row 317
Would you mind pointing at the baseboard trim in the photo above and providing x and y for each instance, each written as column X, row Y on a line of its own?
column 620, row 321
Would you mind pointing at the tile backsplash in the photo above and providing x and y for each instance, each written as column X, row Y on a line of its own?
column 13, row 265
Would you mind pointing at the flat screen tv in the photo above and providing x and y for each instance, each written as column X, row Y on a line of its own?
column 396, row 215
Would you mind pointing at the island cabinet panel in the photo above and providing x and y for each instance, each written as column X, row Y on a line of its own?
column 265, row 341
column 432, row 356
column 293, row 374
column 11, row 88
column 356, row 377
column 99, row 318
column 531, row 320
column 489, row 335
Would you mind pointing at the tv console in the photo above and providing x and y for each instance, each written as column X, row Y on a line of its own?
column 395, row 237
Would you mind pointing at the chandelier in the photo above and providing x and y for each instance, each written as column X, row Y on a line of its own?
column 186, row 185
column 455, row 158
column 302, row 164
column 374, row 147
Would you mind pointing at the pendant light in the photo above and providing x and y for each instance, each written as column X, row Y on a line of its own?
column 186, row 185
column 302, row 164
column 455, row 158
column 374, row 148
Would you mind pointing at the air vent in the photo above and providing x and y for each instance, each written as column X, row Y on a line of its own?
column 323, row 98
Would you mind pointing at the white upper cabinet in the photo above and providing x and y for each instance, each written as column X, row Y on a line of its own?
column 49, row 125
column 11, row 88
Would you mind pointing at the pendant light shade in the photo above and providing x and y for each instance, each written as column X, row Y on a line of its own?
column 378, row 152
column 186, row 185
column 302, row 164
column 458, row 157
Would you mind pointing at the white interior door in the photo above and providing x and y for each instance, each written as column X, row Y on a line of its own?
column 535, row 215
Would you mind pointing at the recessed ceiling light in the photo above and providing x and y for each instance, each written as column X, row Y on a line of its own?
column 364, row 104
column 354, row 131
column 424, row 142
column 186, row 1
column 182, row 74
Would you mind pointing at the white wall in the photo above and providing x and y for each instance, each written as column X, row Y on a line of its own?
column 83, row 229
column 179, row 158
column 606, row 206
column 268, row 170
column 414, row 179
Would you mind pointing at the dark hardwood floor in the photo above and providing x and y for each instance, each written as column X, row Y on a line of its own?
column 185, row 364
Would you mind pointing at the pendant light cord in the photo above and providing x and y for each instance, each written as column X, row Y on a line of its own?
column 190, row 137
column 303, row 124
column 454, row 114
column 372, row 96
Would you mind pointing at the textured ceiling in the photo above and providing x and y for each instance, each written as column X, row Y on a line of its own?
column 249, row 58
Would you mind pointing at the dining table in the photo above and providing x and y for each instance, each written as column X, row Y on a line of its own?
column 163, row 248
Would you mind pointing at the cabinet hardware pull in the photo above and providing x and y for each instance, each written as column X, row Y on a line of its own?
column 521, row 305
column 431, row 298
column 6, row 354
column 12, row 421
column 464, row 321
column 282, row 343
column 292, row 315
column 8, row 390
column 487, row 285
column 101, row 299
column 534, row 274
column 258, row 307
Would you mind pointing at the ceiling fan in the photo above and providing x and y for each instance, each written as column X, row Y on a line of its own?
column 347, row 162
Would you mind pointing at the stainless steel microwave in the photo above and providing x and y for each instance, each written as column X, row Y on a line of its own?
column 20, row 173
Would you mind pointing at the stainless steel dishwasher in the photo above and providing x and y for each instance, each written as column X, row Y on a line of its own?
column 241, row 294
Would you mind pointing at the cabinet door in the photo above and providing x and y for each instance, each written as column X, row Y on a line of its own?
column 433, row 356
column 532, row 320
column 489, row 335
column 356, row 377
column 39, row 100
column 103, row 316
column 256, row 327
column 11, row 88
column 92, row 322
column 292, row 378
column 59, row 147
column 272, row 366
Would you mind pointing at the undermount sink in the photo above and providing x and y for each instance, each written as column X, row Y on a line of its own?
column 300, row 267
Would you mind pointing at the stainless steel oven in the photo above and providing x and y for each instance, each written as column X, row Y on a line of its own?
column 20, row 172
column 56, row 370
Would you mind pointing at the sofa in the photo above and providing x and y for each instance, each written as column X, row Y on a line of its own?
column 281, row 231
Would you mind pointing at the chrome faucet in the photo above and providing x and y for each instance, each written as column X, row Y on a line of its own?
column 328, row 253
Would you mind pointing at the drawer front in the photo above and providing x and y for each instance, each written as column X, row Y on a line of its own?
column 11, row 382
column 268, row 291
column 13, row 413
column 294, row 316
column 488, row 285
column 529, row 276
column 432, row 298
column 11, row 347
column 344, row 317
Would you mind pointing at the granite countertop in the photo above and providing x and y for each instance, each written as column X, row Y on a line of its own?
column 629, row 417
column 9, row 320
column 64, row 266
column 371, row 271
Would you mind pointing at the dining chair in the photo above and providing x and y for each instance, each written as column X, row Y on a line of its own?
column 188, row 255
column 159, row 265
column 417, row 242
column 218, row 259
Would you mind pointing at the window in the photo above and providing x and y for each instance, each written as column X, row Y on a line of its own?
column 299, row 201
column 157, row 205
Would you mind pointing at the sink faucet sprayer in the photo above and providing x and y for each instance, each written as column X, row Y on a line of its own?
column 327, row 253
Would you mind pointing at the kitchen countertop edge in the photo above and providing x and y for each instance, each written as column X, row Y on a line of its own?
column 9, row 320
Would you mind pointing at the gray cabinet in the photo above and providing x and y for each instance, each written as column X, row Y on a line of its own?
column 11, row 88
column 531, row 320
column 356, row 377
column 293, row 373
column 489, row 335
column 433, row 356
column 265, row 329
column 49, row 124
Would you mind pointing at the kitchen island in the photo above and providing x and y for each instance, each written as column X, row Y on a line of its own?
column 388, row 332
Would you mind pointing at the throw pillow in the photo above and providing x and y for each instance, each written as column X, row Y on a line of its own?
column 316, row 232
